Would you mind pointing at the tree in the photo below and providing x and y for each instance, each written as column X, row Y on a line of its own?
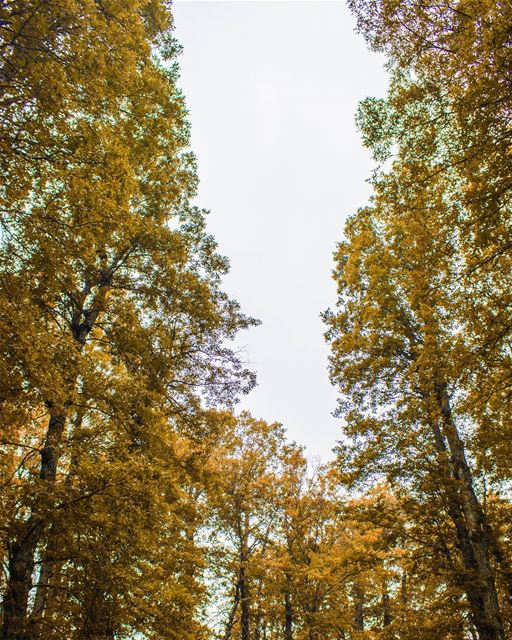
column 421, row 342
column 445, row 127
column 398, row 358
column 243, row 515
column 113, row 321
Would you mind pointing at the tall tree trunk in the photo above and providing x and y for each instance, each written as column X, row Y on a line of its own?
column 404, row 589
column 387, row 618
column 478, row 525
column 475, row 538
column 50, row 565
column 472, row 528
column 45, row 576
column 232, row 614
column 97, row 623
column 312, row 610
column 288, row 616
column 245, row 614
column 359, row 607
column 23, row 550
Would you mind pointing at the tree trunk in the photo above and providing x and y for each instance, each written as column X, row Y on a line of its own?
column 97, row 623
column 245, row 617
column 22, row 551
column 288, row 616
column 404, row 588
column 51, row 563
column 231, row 619
column 387, row 618
column 49, row 567
column 472, row 528
column 359, row 608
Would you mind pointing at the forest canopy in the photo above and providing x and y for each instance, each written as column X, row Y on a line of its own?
column 136, row 502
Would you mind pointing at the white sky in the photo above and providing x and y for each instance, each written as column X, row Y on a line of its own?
column 272, row 89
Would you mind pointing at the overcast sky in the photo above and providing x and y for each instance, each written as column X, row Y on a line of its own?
column 272, row 89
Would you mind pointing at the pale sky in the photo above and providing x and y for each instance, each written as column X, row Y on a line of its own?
column 272, row 89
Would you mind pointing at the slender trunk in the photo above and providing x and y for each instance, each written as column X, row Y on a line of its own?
column 49, row 564
column 22, row 552
column 312, row 610
column 503, row 563
column 232, row 614
column 404, row 595
column 97, row 623
column 21, row 565
column 470, row 522
column 387, row 618
column 359, row 608
column 288, row 616
column 45, row 575
column 245, row 616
